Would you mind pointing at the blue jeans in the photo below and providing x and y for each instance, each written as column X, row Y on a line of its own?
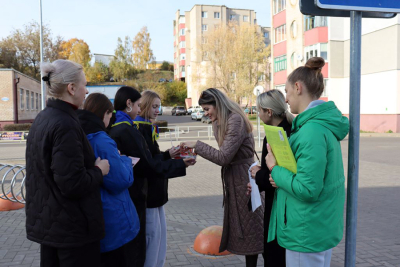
column 302, row 259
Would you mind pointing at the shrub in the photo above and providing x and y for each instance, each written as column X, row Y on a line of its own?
column 252, row 117
column 18, row 127
column 161, row 124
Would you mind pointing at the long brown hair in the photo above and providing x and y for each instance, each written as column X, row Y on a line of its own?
column 310, row 75
column 224, row 107
column 98, row 104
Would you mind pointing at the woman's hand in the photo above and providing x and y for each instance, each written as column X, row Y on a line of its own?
column 174, row 152
column 272, row 181
column 254, row 170
column 189, row 162
column 270, row 158
column 188, row 144
column 103, row 165
column 248, row 189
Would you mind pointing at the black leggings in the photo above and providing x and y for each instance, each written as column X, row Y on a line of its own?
column 251, row 260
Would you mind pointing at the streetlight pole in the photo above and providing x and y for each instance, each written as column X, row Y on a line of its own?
column 41, row 57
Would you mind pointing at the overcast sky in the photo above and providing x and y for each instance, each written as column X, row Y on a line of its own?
column 101, row 22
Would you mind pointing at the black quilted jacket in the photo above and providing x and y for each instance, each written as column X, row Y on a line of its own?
column 63, row 203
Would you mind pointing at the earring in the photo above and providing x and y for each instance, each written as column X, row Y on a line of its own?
column 129, row 109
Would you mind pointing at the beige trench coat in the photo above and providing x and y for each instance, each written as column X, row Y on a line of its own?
column 243, row 231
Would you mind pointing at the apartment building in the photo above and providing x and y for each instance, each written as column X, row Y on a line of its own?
column 296, row 38
column 189, row 28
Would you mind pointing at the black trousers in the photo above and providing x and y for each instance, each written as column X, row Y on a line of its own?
column 114, row 258
column 86, row 255
column 135, row 250
column 274, row 255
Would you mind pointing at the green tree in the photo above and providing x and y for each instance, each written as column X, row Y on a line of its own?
column 142, row 53
column 165, row 66
column 176, row 93
column 98, row 73
column 122, row 66
column 21, row 49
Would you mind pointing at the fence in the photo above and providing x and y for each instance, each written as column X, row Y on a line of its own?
column 13, row 182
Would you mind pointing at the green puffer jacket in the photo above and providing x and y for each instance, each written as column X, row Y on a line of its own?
column 308, row 216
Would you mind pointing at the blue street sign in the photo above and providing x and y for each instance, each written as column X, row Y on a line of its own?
column 361, row 5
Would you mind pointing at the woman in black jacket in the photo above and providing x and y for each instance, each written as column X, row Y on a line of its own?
column 272, row 109
column 131, row 142
column 63, row 205
column 157, row 197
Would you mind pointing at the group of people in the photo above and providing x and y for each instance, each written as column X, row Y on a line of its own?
column 97, row 181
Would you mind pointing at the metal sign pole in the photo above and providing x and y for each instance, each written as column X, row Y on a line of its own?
column 354, row 138
column 41, row 57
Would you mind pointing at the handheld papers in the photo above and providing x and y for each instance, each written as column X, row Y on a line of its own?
column 279, row 143
column 255, row 192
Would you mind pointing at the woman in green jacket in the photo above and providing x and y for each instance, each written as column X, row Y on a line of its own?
column 308, row 219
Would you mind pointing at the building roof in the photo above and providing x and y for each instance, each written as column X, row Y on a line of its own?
column 20, row 73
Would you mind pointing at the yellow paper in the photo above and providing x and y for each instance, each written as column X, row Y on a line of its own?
column 277, row 139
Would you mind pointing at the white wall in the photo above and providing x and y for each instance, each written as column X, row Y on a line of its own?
column 379, row 93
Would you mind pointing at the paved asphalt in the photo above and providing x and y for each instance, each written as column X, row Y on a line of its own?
column 196, row 202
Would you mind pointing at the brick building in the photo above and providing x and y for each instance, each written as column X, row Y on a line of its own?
column 20, row 97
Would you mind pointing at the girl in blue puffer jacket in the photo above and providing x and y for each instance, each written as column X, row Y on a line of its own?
column 120, row 216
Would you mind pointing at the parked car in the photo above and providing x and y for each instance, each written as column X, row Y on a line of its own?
column 206, row 119
column 162, row 80
column 193, row 108
column 178, row 111
column 197, row 115
column 160, row 110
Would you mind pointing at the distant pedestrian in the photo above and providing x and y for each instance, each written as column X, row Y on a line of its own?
column 120, row 216
column 131, row 142
column 63, row 178
column 309, row 217
column 242, row 229
column 273, row 110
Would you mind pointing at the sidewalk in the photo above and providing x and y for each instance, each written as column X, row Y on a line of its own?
column 195, row 202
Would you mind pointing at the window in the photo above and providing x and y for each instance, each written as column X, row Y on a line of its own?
column 205, row 55
column 246, row 18
column 261, row 77
column 280, row 33
column 204, row 27
column 204, row 14
column 317, row 50
column 324, row 51
column 216, row 15
column 37, row 101
column 255, row 21
column 183, row 56
column 21, row 99
column 182, row 44
column 32, row 100
column 182, row 31
column 182, row 68
column 293, row 29
column 40, row 101
column 232, row 17
column 311, row 22
column 266, row 34
column 27, row 100
column 204, row 40
column 279, row 5
column 280, row 63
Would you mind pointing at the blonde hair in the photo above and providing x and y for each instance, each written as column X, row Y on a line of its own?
column 224, row 107
column 59, row 74
column 147, row 102
column 275, row 101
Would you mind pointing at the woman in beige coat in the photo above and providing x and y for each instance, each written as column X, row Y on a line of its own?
column 243, row 229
